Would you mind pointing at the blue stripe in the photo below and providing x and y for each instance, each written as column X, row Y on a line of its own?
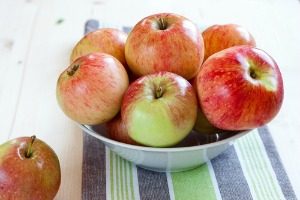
column 276, row 163
column 93, row 169
column 152, row 185
column 230, row 177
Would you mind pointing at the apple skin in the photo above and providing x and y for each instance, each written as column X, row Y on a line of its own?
column 159, row 109
column 219, row 37
column 165, row 42
column 91, row 89
column 240, row 88
column 35, row 178
column 203, row 126
column 104, row 40
column 116, row 130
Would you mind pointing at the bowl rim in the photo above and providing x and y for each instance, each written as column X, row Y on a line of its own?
column 161, row 149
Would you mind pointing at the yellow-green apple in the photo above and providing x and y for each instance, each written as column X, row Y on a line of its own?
column 165, row 42
column 116, row 130
column 159, row 109
column 240, row 88
column 104, row 40
column 90, row 90
column 29, row 169
column 203, row 126
column 219, row 37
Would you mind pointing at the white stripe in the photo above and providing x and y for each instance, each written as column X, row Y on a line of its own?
column 135, row 183
column 214, row 180
column 170, row 186
column 124, row 181
column 267, row 188
column 107, row 170
column 114, row 157
column 264, row 157
column 127, row 182
column 246, row 174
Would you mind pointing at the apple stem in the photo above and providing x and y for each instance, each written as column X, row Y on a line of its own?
column 162, row 24
column 29, row 150
column 158, row 92
column 73, row 69
column 252, row 73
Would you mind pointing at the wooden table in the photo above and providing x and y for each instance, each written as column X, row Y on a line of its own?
column 37, row 36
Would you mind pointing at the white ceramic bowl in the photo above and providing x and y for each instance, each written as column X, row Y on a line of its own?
column 188, row 154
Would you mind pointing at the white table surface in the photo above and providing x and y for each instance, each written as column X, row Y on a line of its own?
column 34, row 49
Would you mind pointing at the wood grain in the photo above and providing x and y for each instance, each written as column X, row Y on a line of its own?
column 35, row 48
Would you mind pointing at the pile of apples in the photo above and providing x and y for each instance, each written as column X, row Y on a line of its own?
column 165, row 78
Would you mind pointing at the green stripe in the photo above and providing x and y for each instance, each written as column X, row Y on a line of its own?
column 273, row 181
column 266, row 169
column 126, row 179
column 131, row 180
column 117, row 177
column 194, row 184
column 121, row 177
column 246, row 155
column 256, row 166
column 111, row 161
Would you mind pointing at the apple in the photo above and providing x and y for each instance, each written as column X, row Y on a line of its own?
column 29, row 169
column 240, row 88
column 219, row 37
column 104, row 40
column 159, row 109
column 91, row 89
column 116, row 130
column 203, row 126
column 165, row 42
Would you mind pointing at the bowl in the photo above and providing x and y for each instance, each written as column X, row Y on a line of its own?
column 193, row 151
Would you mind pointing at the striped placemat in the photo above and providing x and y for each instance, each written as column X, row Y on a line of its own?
column 249, row 169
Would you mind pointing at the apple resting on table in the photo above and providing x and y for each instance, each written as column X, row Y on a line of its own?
column 219, row 37
column 91, row 89
column 29, row 170
column 165, row 42
column 104, row 40
column 159, row 109
column 240, row 88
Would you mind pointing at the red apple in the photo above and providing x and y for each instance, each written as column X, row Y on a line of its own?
column 116, row 130
column 202, row 125
column 165, row 42
column 104, row 40
column 91, row 89
column 159, row 109
column 219, row 37
column 240, row 88
column 29, row 169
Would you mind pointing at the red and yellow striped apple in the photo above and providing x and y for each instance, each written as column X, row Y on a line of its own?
column 165, row 42
column 91, row 89
column 240, row 88
column 159, row 109
column 219, row 37
column 29, row 169
column 104, row 40
column 116, row 130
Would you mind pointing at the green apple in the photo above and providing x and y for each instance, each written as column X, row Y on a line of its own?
column 159, row 109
